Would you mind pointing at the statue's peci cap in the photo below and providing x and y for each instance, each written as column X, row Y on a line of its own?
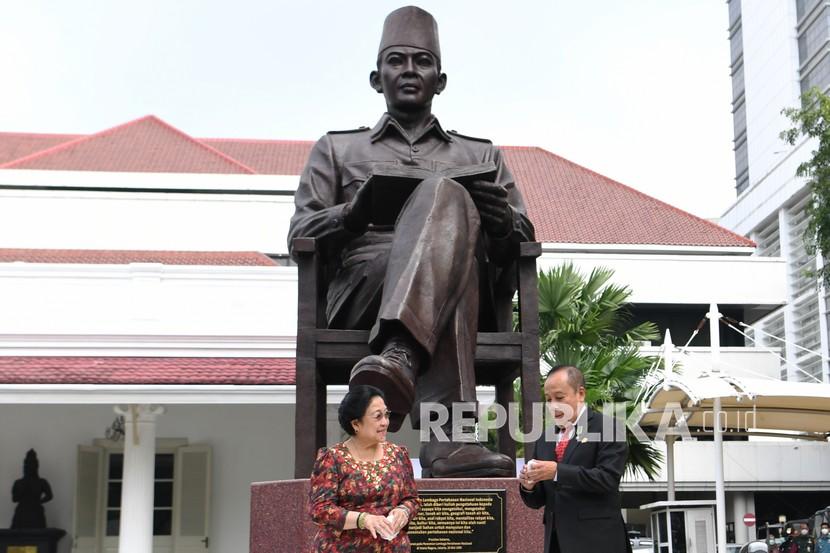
column 410, row 26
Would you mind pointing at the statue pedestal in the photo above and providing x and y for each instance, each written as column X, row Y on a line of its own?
column 280, row 520
column 30, row 541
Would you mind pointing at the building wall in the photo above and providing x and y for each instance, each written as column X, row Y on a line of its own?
column 738, row 95
column 748, row 465
column 146, row 211
column 147, row 310
column 770, row 48
column 249, row 444
column 781, row 49
column 674, row 280
column 82, row 309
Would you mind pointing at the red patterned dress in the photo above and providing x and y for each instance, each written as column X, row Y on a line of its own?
column 339, row 484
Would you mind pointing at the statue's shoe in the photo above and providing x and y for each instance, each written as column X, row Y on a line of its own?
column 394, row 374
column 464, row 460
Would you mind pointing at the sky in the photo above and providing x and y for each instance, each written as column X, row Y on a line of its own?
column 637, row 90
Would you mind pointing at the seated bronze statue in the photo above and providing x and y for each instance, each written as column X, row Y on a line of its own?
column 419, row 224
column 30, row 493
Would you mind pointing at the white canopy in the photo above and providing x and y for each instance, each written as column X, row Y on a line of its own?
column 748, row 405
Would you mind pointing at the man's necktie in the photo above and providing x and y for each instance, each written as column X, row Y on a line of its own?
column 562, row 444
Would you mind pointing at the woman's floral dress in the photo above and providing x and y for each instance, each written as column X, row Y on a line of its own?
column 339, row 484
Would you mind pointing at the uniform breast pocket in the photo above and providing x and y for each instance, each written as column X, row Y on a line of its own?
column 352, row 177
column 354, row 174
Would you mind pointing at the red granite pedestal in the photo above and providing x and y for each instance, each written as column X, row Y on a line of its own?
column 280, row 522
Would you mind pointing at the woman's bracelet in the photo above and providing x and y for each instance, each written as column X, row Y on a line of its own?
column 360, row 522
column 406, row 510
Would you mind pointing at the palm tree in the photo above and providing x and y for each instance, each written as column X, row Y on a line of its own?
column 585, row 322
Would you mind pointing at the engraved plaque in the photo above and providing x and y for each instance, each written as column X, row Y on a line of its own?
column 463, row 521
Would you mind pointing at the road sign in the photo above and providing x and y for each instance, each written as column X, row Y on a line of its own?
column 749, row 519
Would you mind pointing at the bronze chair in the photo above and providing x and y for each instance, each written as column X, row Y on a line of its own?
column 325, row 356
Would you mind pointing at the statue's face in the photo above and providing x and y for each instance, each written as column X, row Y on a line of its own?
column 408, row 78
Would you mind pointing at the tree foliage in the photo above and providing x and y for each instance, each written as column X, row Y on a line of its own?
column 812, row 120
column 584, row 321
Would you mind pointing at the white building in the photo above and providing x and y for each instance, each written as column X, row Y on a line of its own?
column 779, row 50
column 144, row 273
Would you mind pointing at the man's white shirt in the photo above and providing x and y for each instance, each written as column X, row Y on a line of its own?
column 570, row 432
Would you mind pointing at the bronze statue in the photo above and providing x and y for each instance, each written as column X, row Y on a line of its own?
column 418, row 263
column 30, row 493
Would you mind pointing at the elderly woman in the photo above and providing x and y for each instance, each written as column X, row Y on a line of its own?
column 362, row 490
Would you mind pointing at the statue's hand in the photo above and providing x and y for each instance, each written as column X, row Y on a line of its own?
column 358, row 212
column 493, row 207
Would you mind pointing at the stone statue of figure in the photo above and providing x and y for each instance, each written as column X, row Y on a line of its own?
column 30, row 493
column 422, row 275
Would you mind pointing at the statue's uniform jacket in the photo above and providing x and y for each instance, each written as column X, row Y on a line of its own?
column 433, row 271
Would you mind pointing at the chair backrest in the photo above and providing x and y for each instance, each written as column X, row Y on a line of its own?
column 313, row 275
column 325, row 356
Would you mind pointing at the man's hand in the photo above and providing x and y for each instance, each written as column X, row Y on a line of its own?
column 538, row 471
column 525, row 480
column 358, row 212
column 493, row 207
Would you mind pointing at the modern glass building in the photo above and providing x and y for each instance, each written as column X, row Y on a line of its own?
column 779, row 50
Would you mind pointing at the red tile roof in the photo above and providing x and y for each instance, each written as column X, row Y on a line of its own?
column 269, row 157
column 121, row 257
column 146, row 370
column 568, row 203
column 146, row 145
column 17, row 145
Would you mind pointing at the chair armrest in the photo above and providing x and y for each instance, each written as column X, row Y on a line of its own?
column 529, row 249
column 305, row 245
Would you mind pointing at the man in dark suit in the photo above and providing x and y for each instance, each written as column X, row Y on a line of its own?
column 576, row 472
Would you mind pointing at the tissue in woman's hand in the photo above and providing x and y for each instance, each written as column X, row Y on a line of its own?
column 388, row 537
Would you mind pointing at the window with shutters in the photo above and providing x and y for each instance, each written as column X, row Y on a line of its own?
column 804, row 295
column 772, row 327
column 808, row 336
column 768, row 239
column 162, row 496
column 181, row 492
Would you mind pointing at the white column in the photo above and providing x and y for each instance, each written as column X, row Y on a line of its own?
column 749, row 503
column 789, row 309
column 720, row 495
column 739, row 509
column 823, row 309
column 670, row 439
column 136, row 529
column 668, row 360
